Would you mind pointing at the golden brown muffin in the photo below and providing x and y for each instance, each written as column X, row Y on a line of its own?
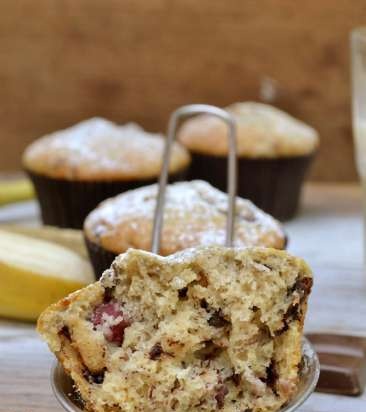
column 73, row 170
column 195, row 214
column 203, row 330
column 263, row 131
column 275, row 151
column 97, row 149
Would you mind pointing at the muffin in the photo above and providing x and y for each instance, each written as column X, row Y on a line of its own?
column 194, row 214
column 205, row 329
column 73, row 170
column 274, row 153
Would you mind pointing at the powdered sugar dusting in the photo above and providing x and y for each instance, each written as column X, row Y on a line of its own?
column 263, row 131
column 195, row 214
column 98, row 145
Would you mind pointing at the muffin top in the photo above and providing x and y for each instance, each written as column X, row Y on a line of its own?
column 97, row 149
column 195, row 214
column 263, row 132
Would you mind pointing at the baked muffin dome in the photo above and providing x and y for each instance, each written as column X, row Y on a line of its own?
column 263, row 132
column 194, row 214
column 97, row 150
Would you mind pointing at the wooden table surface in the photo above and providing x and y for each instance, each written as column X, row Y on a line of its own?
column 327, row 233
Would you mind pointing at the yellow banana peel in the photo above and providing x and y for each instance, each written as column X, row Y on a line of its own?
column 15, row 191
column 36, row 273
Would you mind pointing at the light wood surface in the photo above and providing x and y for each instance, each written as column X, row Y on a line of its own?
column 327, row 233
column 136, row 60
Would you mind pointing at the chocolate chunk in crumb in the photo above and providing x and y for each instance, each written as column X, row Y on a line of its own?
column 182, row 293
column 222, row 391
column 204, row 304
column 176, row 385
column 292, row 313
column 108, row 294
column 209, row 351
column 217, row 320
column 272, row 375
column 94, row 377
column 202, row 279
column 156, row 351
column 236, row 378
column 77, row 399
column 303, row 286
column 65, row 331
column 279, row 332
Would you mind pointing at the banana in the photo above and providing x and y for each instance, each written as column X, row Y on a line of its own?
column 35, row 273
column 70, row 238
column 15, row 190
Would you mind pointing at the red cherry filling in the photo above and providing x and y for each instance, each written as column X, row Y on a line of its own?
column 112, row 321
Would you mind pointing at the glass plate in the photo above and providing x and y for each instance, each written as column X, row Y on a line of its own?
column 62, row 384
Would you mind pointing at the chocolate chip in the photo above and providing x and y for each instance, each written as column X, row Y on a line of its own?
column 279, row 332
column 94, row 377
column 271, row 375
column 65, row 331
column 108, row 294
column 222, row 391
column 217, row 320
column 156, row 351
column 202, row 279
column 176, row 385
column 209, row 351
column 292, row 313
column 255, row 308
column 204, row 304
column 236, row 378
column 303, row 287
column 151, row 391
column 77, row 399
column 182, row 293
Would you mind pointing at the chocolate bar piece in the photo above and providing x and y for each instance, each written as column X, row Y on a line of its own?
column 342, row 363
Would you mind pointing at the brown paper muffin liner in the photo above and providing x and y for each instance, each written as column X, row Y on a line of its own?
column 274, row 185
column 66, row 203
column 100, row 258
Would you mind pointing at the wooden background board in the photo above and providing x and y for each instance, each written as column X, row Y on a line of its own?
column 327, row 233
column 63, row 60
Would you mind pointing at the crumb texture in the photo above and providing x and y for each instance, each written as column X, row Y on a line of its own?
column 97, row 149
column 195, row 214
column 208, row 329
column 263, row 132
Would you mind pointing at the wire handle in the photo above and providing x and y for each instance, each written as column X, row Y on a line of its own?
column 182, row 112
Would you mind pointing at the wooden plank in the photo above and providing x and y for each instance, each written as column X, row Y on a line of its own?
column 327, row 233
column 63, row 61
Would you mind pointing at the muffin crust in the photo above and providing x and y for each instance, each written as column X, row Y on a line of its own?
column 194, row 215
column 97, row 149
column 263, row 132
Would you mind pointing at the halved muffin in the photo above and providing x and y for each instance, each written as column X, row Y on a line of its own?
column 205, row 329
